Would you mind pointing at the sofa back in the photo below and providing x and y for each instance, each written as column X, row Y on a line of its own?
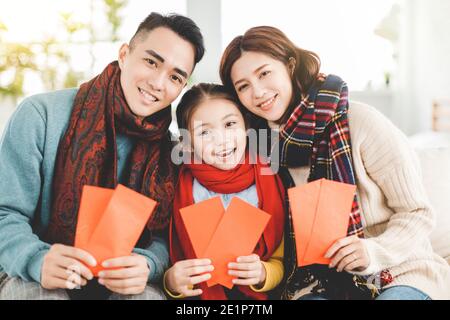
column 435, row 163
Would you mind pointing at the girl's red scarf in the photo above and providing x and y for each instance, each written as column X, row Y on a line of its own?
column 270, row 195
column 87, row 154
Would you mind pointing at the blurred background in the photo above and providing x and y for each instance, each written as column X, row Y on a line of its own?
column 394, row 54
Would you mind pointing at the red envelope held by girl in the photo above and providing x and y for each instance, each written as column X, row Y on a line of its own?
column 223, row 235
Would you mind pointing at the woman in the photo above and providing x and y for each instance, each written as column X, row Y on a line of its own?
column 387, row 249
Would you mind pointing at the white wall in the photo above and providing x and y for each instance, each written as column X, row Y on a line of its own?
column 424, row 62
column 207, row 15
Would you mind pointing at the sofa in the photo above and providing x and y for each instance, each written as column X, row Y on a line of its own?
column 435, row 164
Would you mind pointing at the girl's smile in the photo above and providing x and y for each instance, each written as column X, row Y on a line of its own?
column 218, row 132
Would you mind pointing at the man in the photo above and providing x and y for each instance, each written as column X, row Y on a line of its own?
column 113, row 129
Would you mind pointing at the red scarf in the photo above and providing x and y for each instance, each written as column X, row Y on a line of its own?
column 270, row 194
column 87, row 154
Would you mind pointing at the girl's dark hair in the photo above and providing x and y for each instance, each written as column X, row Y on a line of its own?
column 181, row 25
column 198, row 94
column 274, row 43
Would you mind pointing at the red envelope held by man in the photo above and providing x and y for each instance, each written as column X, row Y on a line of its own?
column 110, row 222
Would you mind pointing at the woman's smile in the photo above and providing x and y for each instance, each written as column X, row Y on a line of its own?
column 268, row 104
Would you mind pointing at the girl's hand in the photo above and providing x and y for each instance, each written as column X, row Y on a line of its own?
column 248, row 269
column 349, row 254
column 183, row 275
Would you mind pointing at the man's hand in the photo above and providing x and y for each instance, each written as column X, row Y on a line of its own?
column 130, row 274
column 64, row 267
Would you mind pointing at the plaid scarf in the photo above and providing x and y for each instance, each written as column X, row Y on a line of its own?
column 317, row 134
column 87, row 154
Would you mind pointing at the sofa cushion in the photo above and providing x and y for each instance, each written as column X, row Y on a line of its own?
column 435, row 163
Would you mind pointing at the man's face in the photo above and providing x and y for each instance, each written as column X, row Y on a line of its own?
column 155, row 70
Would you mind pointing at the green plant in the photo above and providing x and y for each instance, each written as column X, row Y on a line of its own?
column 15, row 60
column 113, row 8
column 51, row 57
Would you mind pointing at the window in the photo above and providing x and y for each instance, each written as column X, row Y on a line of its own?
column 75, row 57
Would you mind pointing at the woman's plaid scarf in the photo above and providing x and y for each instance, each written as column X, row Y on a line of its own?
column 317, row 134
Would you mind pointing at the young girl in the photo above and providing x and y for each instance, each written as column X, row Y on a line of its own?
column 387, row 240
column 222, row 167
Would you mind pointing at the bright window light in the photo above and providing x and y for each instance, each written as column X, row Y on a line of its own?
column 341, row 32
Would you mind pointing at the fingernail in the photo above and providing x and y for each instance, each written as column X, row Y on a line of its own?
column 105, row 264
column 101, row 281
column 93, row 262
column 101, row 274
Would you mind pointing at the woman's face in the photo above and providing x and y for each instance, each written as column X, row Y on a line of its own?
column 218, row 133
column 263, row 84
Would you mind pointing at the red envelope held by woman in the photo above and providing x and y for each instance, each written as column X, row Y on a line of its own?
column 320, row 215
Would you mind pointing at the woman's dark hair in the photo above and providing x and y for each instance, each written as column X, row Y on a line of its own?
column 181, row 25
column 274, row 43
column 197, row 95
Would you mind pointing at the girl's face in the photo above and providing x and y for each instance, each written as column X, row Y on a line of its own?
column 218, row 133
column 263, row 84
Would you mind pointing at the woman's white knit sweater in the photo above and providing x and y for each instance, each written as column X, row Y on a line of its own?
column 397, row 217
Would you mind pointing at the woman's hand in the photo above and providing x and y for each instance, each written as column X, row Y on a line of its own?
column 185, row 274
column 130, row 277
column 349, row 254
column 248, row 269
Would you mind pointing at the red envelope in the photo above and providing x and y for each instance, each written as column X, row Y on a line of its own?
column 94, row 201
column 320, row 214
column 111, row 228
column 201, row 221
column 237, row 235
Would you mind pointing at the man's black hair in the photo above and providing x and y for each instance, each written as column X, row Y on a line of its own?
column 181, row 25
